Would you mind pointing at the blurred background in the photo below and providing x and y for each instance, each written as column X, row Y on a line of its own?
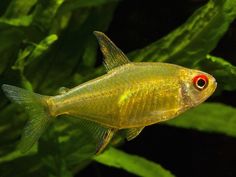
column 46, row 62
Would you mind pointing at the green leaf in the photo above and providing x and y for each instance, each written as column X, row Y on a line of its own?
column 29, row 54
column 33, row 51
column 193, row 40
column 10, row 41
column 42, row 47
column 72, row 5
column 19, row 21
column 223, row 71
column 208, row 117
column 45, row 12
column 69, row 53
column 17, row 154
column 132, row 163
column 17, row 13
column 18, row 8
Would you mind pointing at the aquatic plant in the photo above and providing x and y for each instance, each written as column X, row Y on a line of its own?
column 49, row 44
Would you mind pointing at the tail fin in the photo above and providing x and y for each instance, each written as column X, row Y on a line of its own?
column 37, row 109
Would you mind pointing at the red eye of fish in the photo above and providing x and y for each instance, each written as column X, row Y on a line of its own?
column 200, row 82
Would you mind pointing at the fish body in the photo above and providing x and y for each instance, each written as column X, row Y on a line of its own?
column 133, row 95
column 130, row 96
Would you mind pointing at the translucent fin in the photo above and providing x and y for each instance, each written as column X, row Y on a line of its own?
column 105, row 139
column 133, row 133
column 37, row 109
column 113, row 56
column 101, row 135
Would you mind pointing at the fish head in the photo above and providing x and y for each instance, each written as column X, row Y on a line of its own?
column 196, row 86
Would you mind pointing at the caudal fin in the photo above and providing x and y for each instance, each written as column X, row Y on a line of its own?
column 37, row 109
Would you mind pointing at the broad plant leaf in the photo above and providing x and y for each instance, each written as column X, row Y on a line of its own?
column 17, row 13
column 20, row 21
column 132, row 163
column 208, row 117
column 18, row 8
column 45, row 12
column 195, row 38
column 222, row 70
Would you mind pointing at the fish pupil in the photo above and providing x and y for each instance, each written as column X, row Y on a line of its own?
column 201, row 83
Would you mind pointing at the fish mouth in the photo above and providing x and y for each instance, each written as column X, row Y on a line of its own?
column 192, row 102
column 215, row 86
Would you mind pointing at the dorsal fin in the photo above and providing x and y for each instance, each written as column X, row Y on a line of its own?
column 113, row 56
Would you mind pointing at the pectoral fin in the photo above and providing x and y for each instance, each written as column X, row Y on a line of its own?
column 133, row 133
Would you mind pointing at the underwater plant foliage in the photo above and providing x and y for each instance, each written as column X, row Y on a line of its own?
column 38, row 53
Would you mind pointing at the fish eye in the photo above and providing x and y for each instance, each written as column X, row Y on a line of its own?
column 200, row 82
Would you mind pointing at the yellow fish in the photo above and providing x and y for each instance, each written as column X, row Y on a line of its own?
column 130, row 96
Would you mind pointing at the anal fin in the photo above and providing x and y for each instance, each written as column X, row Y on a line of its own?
column 132, row 133
column 98, row 135
column 105, row 139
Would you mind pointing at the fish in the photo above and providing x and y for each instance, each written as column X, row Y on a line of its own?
column 129, row 97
